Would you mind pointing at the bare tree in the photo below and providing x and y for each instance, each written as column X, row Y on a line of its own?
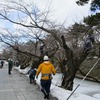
column 69, row 63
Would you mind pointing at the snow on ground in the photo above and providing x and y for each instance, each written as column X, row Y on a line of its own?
column 86, row 91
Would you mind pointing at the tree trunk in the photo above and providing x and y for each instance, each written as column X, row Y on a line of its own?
column 73, row 64
column 99, row 50
column 69, row 76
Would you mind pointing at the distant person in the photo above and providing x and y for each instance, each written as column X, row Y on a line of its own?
column 46, row 69
column 42, row 49
column 10, row 65
column 87, row 46
column 32, row 73
column 17, row 63
column 2, row 63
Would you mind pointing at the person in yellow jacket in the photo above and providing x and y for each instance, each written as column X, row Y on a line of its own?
column 46, row 69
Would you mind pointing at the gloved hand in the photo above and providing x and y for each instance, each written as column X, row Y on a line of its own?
column 36, row 77
column 53, row 74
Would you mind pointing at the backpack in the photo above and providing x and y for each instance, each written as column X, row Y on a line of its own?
column 32, row 72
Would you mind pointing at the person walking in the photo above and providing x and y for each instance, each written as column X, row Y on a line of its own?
column 47, row 69
column 32, row 73
column 2, row 63
column 10, row 65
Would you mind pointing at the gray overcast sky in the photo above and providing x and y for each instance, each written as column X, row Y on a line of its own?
column 62, row 9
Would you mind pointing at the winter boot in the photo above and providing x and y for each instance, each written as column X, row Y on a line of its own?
column 30, row 81
column 45, row 96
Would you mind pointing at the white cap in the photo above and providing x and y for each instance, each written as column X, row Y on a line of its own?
column 9, row 59
column 46, row 58
column 42, row 44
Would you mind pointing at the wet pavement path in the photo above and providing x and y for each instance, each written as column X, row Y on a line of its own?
column 17, row 87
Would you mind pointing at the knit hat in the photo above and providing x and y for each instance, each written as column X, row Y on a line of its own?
column 46, row 58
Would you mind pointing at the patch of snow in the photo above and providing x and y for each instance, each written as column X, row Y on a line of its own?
column 88, row 90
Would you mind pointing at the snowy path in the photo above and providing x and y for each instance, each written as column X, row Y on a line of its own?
column 89, row 88
column 86, row 91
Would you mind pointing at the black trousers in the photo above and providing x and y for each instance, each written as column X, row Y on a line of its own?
column 45, row 86
column 32, row 78
column 9, row 69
